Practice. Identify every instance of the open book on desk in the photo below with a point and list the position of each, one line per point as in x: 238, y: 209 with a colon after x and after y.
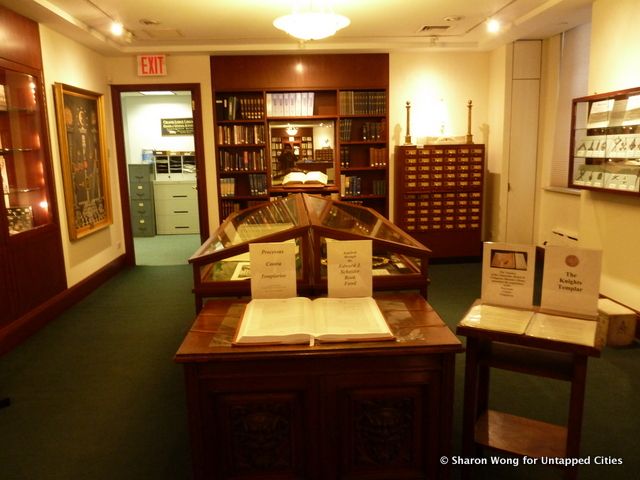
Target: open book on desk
x: 309, y: 179
x: 531, y: 323
x: 302, y: 320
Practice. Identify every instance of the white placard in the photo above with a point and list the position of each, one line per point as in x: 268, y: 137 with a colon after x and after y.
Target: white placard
x: 508, y: 274
x: 349, y: 268
x: 571, y: 280
x: 273, y: 270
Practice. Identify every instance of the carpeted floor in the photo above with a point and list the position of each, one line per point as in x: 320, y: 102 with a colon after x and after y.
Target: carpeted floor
x: 96, y: 395
x: 165, y: 249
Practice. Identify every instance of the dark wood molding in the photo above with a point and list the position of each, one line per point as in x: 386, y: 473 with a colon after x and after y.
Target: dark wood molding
x: 308, y: 71
x: 18, y: 331
x: 121, y: 157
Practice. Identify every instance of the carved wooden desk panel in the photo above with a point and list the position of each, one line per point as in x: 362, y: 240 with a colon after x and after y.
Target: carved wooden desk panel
x: 374, y: 410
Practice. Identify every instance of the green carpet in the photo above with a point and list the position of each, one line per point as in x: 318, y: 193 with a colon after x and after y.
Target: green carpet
x: 96, y: 395
x: 165, y: 249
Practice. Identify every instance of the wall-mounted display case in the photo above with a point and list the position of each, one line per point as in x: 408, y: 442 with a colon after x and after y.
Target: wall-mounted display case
x: 605, y: 142
x: 32, y: 267
x: 221, y: 266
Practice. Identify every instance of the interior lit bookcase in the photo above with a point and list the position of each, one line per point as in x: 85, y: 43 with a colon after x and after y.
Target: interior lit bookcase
x: 31, y: 260
x: 605, y: 142
x: 346, y: 95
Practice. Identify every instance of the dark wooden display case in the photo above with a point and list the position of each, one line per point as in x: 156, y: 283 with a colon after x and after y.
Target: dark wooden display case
x: 399, y: 261
x: 28, y: 211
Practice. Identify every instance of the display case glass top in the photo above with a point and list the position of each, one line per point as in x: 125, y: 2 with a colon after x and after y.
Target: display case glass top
x: 222, y: 264
x: 605, y: 142
x: 26, y: 196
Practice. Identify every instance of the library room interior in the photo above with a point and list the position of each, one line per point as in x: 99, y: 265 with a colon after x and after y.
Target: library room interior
x: 319, y: 239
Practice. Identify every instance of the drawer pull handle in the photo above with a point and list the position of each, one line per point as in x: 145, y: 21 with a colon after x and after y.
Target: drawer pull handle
x: 181, y: 211
x: 179, y: 196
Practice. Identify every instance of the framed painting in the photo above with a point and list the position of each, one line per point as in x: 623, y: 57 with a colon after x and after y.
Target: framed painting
x: 83, y: 155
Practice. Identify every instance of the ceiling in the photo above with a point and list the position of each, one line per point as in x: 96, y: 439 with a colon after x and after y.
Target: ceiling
x: 245, y: 26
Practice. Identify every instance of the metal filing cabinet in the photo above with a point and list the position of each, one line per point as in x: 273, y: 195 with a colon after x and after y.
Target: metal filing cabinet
x: 143, y: 219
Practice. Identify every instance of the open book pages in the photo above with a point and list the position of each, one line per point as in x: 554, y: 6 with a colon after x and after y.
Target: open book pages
x: 302, y: 320
x: 308, y: 179
x: 501, y: 319
x: 563, y: 329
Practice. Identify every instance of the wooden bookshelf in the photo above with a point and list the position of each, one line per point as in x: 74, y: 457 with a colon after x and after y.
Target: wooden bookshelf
x: 349, y: 92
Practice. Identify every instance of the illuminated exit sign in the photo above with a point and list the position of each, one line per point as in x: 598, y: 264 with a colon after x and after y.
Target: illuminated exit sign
x: 152, y: 65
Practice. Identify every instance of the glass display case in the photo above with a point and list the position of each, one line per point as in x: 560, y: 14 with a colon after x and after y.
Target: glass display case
x: 605, y: 142
x: 26, y: 196
x: 221, y: 266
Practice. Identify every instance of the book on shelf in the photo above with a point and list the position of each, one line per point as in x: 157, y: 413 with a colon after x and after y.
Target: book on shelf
x: 300, y: 320
x: 309, y: 179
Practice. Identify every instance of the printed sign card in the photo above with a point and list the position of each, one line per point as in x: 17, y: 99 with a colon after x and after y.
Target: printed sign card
x: 349, y: 268
x: 273, y: 270
x: 571, y: 280
x: 508, y: 274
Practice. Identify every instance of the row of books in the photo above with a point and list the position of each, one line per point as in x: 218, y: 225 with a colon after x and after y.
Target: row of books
x: 345, y: 129
x: 258, y: 184
x: 239, y: 161
x: 290, y: 104
x: 240, y: 108
x: 350, y: 186
x: 362, y: 103
x: 227, y: 207
x: 372, y: 130
x: 378, y: 156
x: 241, y: 134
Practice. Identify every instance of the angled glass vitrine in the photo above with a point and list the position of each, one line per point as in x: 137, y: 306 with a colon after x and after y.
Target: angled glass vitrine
x: 222, y: 267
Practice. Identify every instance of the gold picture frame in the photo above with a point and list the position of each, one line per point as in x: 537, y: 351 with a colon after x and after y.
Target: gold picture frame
x: 83, y: 155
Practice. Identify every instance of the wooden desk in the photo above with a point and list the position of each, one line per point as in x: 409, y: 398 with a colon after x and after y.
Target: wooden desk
x: 359, y: 410
x: 482, y: 427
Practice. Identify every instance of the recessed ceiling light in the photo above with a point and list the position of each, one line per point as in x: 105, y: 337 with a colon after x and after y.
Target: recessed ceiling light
x: 117, y: 29
x: 493, y: 25
x: 158, y: 92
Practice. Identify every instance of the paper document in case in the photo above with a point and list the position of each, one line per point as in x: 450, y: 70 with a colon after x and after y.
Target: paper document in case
x: 501, y: 319
x: 299, y: 319
x: 563, y: 329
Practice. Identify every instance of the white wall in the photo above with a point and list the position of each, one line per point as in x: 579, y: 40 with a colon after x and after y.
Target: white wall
x: 607, y: 221
x: 142, y: 127
x: 66, y: 61
x: 438, y: 85
x: 180, y: 69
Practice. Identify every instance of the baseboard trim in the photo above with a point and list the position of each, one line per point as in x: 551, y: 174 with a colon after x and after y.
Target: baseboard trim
x: 22, y: 328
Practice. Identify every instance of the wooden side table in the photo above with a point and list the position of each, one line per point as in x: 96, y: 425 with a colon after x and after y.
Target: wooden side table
x: 483, y: 427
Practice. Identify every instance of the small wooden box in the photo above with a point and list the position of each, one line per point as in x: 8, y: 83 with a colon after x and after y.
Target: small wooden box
x: 620, y: 320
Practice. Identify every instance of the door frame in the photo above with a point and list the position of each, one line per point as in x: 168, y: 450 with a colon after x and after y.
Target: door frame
x: 121, y: 157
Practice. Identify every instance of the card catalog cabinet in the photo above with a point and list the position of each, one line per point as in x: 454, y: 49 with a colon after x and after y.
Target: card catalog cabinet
x: 439, y: 197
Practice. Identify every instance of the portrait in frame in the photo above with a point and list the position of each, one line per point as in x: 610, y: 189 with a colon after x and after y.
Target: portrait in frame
x: 83, y: 155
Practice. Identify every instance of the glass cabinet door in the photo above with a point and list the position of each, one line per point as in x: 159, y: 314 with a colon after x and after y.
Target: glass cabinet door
x: 25, y: 192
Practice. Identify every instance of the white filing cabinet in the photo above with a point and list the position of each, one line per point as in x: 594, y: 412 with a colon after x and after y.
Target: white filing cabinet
x: 176, y: 207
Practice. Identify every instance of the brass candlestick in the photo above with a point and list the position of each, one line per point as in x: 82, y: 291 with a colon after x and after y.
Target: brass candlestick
x: 469, y: 136
x: 407, y: 137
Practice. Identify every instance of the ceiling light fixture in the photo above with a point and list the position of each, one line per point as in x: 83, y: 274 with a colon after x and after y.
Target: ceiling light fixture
x: 116, y: 28
x: 493, y: 25
x: 311, y: 20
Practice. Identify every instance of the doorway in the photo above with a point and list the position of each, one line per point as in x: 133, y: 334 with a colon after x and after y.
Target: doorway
x: 158, y: 138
